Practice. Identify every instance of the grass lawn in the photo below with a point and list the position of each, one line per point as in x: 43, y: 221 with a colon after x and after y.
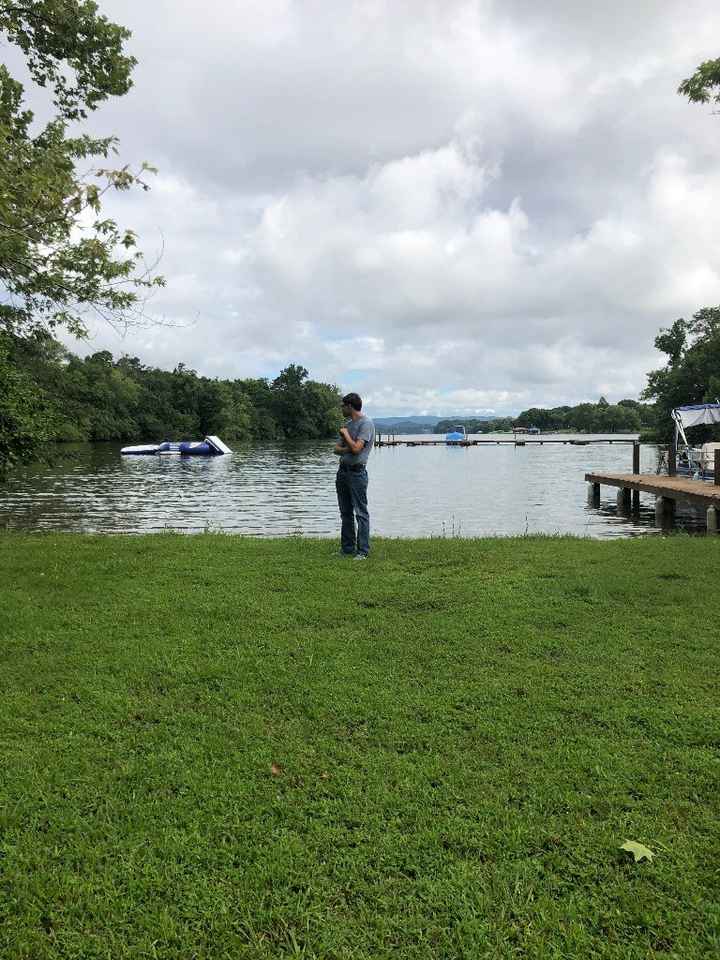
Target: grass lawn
x: 218, y: 747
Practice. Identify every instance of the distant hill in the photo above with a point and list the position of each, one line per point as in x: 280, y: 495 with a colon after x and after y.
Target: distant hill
x: 390, y: 421
x: 405, y: 424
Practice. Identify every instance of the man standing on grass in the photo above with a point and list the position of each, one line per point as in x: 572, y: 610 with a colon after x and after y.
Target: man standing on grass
x: 357, y: 437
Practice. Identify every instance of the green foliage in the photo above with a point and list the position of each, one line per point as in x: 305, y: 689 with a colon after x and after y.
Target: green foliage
x: 55, y: 395
x: 704, y: 85
x: 59, y: 257
x: 627, y: 416
x: 55, y: 34
x: 692, y: 371
x: 497, y: 425
x: 304, y: 407
x: 202, y: 757
x: 24, y: 416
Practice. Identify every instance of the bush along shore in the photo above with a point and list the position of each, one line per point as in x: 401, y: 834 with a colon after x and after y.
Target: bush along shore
x: 219, y: 747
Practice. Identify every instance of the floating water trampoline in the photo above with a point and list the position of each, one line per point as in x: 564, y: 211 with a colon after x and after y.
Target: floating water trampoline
x: 209, y: 447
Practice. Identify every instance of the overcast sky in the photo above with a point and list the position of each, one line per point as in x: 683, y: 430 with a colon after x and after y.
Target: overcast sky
x: 450, y: 207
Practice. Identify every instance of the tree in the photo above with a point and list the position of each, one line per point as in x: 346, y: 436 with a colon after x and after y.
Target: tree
x: 542, y: 418
x: 59, y: 258
x: 258, y: 395
x: 59, y: 396
x: 25, y: 420
x: 289, y: 407
x: 692, y: 371
x: 600, y: 417
x: 323, y: 401
x: 304, y: 408
x: 614, y: 418
x: 704, y: 85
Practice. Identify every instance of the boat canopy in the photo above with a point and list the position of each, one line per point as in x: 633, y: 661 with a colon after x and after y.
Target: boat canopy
x: 694, y: 415
x: 697, y: 413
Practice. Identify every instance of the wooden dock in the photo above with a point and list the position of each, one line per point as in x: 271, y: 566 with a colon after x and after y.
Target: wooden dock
x: 667, y: 490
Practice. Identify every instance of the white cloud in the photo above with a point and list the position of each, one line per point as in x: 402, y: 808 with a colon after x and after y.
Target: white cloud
x: 461, y: 203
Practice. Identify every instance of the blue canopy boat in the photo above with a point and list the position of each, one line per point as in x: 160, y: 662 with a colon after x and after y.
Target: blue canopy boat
x: 456, y: 435
x: 209, y: 447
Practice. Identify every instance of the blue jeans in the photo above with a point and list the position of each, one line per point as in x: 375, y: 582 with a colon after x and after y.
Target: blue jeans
x: 351, y: 486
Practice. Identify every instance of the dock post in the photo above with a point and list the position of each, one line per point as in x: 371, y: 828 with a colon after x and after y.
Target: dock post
x: 717, y: 468
x: 594, y: 494
x: 712, y: 520
x: 636, y: 471
x: 664, y: 512
x: 623, y: 500
x: 672, y: 459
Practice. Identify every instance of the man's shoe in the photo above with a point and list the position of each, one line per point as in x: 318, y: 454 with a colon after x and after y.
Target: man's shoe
x: 360, y: 556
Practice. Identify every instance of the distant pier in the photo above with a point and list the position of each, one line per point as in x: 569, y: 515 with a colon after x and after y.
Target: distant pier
x: 390, y: 440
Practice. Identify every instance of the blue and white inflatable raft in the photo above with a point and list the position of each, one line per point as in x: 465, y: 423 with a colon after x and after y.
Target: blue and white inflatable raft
x: 209, y: 447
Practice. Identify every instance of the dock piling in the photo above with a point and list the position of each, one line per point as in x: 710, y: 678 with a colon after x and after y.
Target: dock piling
x: 664, y: 512
x: 594, y: 494
x: 712, y: 520
x: 717, y: 468
x: 623, y: 500
x: 636, y: 472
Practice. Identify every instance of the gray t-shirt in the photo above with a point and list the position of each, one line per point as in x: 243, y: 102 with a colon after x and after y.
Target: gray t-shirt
x: 361, y: 429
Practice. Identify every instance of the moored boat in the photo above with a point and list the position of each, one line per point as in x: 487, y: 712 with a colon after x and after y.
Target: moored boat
x: 456, y: 435
x: 697, y: 462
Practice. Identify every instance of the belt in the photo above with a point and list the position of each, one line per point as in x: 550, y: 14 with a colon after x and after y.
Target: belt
x: 355, y: 467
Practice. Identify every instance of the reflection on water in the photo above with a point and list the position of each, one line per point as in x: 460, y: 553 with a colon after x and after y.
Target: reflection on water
x: 277, y: 490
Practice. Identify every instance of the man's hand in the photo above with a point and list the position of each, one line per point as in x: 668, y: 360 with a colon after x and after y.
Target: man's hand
x: 340, y: 449
x: 354, y: 446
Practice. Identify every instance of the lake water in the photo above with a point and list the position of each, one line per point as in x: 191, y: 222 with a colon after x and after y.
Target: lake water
x: 276, y: 490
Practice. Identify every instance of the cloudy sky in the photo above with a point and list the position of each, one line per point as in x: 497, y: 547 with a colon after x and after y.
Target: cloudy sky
x: 450, y: 207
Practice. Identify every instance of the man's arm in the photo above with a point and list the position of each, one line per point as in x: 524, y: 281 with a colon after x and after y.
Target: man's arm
x: 353, y: 446
x: 340, y: 449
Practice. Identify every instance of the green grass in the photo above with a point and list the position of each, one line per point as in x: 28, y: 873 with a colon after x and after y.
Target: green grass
x: 464, y: 732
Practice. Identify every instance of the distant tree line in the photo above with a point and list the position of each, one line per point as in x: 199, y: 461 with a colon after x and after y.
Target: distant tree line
x: 627, y: 416
x: 52, y: 395
x: 496, y: 425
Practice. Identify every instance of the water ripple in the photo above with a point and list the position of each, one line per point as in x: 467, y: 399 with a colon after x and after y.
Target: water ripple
x: 277, y: 490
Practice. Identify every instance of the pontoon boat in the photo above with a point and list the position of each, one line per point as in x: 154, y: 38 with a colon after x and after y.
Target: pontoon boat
x: 696, y: 462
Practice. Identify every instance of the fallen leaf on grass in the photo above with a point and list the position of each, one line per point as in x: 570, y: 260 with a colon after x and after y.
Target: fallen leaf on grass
x: 324, y: 775
x: 638, y: 850
x: 276, y: 770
